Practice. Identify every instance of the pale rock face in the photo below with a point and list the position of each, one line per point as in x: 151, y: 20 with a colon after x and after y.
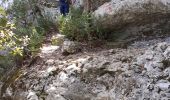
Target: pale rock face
x: 119, y: 6
x: 94, y: 3
x: 134, y: 17
x: 110, y: 75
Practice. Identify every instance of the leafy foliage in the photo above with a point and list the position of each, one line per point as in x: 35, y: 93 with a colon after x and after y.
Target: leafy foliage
x: 35, y: 41
x: 8, y: 39
x: 30, y: 21
x: 22, y: 25
x: 79, y: 25
x: 10, y: 43
x: 29, y: 13
x: 76, y: 25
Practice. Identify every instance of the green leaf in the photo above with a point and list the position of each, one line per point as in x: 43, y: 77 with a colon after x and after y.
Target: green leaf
x: 2, y: 11
x: 3, y: 22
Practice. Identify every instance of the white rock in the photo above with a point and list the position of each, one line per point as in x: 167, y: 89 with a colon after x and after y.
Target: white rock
x: 49, y: 49
x: 161, y: 47
x: 72, y: 68
x: 32, y: 96
x: 114, y: 66
x: 141, y: 60
x: 164, y: 86
x: 55, y: 97
x: 69, y: 47
x: 63, y: 76
x: 50, y: 69
x: 103, y: 96
x: 118, y: 13
x: 50, y: 62
x: 167, y: 53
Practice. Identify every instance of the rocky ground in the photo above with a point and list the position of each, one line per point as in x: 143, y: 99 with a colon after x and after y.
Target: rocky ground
x: 140, y: 72
x: 73, y: 72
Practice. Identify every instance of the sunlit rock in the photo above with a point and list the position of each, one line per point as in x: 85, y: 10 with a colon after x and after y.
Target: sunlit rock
x: 49, y: 49
x: 70, y: 47
x: 134, y: 17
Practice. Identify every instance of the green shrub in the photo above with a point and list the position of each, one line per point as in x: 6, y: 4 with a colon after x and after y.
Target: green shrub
x: 31, y: 22
x: 76, y: 25
x: 81, y: 26
x: 35, y: 41
x: 10, y: 44
x: 25, y: 31
x: 13, y: 39
x: 45, y: 24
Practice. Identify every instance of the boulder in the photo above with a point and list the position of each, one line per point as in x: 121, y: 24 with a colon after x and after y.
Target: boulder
x: 134, y: 16
x: 94, y: 3
x: 70, y: 47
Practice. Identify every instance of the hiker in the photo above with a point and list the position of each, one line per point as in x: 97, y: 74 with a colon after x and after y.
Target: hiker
x: 64, y: 7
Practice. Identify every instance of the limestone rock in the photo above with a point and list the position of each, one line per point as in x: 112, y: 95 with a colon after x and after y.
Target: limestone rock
x: 167, y: 53
x: 112, y: 76
x: 129, y: 17
x: 32, y: 96
x: 164, y: 86
x: 70, y: 47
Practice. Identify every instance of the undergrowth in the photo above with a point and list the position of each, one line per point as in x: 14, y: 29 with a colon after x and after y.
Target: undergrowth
x: 79, y: 26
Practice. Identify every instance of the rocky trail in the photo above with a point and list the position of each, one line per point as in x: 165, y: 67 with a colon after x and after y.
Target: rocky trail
x: 140, y: 72
x: 75, y: 71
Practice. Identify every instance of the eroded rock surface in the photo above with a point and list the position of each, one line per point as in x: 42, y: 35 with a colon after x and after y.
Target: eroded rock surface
x: 115, y: 74
x: 140, y: 72
x: 134, y: 17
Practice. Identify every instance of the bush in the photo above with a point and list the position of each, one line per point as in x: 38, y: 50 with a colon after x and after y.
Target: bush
x: 10, y: 44
x: 76, y: 25
x: 31, y: 22
x: 45, y: 24
x: 14, y: 38
x: 35, y: 41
